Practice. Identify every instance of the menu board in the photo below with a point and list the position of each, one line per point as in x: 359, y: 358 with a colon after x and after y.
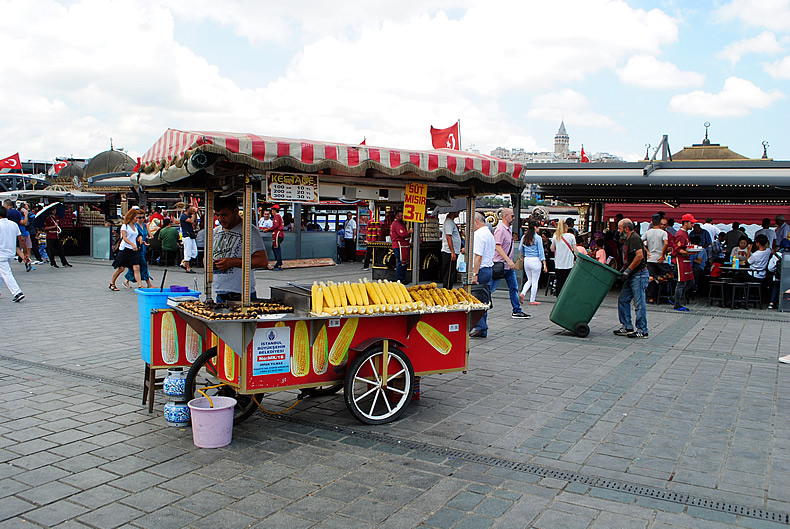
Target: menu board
x: 414, y: 205
x: 292, y: 187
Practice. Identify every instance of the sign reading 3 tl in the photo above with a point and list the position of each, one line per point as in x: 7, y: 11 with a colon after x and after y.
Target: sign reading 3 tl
x: 414, y: 204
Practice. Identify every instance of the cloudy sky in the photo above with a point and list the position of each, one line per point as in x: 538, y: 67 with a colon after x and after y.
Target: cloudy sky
x: 619, y: 73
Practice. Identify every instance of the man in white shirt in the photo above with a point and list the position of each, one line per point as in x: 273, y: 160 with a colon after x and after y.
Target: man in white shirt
x: 657, y: 242
x: 484, y: 248
x: 782, y: 230
x: 451, y: 247
x: 266, y: 223
x: 350, y: 237
x: 710, y: 228
x: 227, y: 251
x: 10, y: 236
x: 767, y: 231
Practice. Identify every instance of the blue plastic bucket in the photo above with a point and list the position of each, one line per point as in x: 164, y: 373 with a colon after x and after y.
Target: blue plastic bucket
x: 149, y: 299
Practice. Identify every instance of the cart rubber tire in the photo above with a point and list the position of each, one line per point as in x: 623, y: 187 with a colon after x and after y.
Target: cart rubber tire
x: 323, y: 391
x: 582, y: 330
x: 202, y: 374
x: 366, y: 398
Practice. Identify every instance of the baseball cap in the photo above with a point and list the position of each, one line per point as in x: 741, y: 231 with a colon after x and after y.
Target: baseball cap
x: 275, y: 207
x: 688, y: 217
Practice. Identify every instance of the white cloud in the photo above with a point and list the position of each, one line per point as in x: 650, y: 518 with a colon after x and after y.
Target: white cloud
x: 779, y: 69
x: 770, y: 14
x: 765, y: 42
x: 570, y: 106
x: 737, y: 98
x: 646, y: 71
x: 94, y: 69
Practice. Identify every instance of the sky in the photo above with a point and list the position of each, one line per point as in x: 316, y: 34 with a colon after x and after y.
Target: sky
x: 620, y: 74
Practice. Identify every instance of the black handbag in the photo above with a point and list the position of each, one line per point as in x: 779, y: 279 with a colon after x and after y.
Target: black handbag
x: 498, y: 270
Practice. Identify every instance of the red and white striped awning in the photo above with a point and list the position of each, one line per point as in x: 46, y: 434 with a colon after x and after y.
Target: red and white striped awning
x: 168, y: 160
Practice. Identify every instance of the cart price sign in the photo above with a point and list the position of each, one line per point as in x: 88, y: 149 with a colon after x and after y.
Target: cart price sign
x: 271, y: 349
x: 290, y: 187
x: 414, y: 205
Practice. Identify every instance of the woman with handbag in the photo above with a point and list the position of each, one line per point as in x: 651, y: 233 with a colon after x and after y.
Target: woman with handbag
x: 142, y: 243
x: 534, y: 259
x: 127, y: 256
x: 562, y: 244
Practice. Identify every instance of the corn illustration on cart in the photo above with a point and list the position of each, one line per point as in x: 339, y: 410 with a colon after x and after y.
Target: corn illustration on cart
x: 371, y: 339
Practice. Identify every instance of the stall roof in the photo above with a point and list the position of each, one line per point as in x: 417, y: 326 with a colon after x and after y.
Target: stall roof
x: 172, y: 159
x: 728, y: 181
x: 65, y: 196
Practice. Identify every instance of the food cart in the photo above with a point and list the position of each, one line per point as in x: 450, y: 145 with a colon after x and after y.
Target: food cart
x: 371, y: 338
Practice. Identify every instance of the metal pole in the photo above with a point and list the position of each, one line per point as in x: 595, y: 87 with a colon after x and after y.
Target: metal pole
x: 246, y: 260
x: 208, y: 243
x: 470, y: 238
x: 298, y: 229
x: 415, y: 258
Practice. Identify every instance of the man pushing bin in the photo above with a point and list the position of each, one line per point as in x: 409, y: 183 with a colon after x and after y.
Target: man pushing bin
x: 635, y: 281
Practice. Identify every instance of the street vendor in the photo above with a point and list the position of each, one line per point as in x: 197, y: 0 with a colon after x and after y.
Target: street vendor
x: 400, y: 244
x: 227, y: 247
x: 682, y: 258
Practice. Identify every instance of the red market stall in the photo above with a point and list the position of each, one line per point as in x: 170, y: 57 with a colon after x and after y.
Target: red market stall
x: 372, y: 338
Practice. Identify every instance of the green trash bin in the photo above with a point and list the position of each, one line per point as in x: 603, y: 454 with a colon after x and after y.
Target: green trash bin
x: 582, y: 294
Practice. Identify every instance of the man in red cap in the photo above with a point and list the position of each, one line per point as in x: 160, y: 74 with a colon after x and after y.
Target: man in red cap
x: 682, y: 260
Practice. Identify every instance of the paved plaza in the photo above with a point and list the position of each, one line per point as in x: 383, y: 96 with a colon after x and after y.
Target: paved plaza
x: 687, y: 429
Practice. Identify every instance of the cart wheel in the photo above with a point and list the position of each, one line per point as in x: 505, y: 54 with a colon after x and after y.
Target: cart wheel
x: 203, y: 374
x: 323, y: 391
x: 366, y: 396
x: 582, y: 330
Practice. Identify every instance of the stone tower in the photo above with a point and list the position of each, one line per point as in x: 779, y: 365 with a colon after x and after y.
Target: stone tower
x: 561, y: 143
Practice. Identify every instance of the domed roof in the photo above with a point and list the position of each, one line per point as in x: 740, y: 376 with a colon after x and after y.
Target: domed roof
x: 111, y: 161
x: 70, y: 171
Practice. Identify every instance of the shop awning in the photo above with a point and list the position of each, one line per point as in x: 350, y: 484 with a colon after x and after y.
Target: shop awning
x: 177, y: 155
x: 680, y: 182
x: 64, y: 196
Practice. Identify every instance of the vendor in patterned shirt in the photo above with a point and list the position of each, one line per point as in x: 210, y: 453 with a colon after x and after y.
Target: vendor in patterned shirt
x: 228, y: 237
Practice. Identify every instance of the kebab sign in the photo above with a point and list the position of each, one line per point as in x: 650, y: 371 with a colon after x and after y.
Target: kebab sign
x: 414, y: 204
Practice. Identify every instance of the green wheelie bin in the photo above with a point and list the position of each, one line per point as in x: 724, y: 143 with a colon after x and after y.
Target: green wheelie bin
x: 582, y: 294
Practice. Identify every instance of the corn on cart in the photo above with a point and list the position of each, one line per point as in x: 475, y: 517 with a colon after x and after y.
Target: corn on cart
x: 370, y: 338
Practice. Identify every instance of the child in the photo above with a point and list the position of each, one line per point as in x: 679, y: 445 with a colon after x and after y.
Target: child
x: 741, y: 251
x: 600, y: 253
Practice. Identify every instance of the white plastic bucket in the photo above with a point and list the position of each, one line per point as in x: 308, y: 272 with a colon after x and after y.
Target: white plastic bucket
x: 212, y: 427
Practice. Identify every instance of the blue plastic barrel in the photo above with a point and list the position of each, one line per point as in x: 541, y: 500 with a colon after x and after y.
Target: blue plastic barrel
x: 149, y: 299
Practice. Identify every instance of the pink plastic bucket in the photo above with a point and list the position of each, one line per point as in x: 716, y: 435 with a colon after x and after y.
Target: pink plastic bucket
x: 212, y: 427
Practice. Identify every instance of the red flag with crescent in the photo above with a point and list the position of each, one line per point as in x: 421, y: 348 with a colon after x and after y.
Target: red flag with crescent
x: 584, y: 158
x: 12, y: 162
x: 59, y: 165
x: 446, y: 138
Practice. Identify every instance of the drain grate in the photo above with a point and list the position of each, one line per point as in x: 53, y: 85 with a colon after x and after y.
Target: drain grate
x: 72, y: 372
x: 548, y: 472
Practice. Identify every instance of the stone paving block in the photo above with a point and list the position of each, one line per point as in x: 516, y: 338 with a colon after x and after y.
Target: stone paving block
x: 281, y: 520
x: 11, y: 507
x: 34, y: 461
x: 342, y: 490
x: 138, y: 481
x: 369, y: 510
x: 660, y: 505
x: 48, y: 492
x: 290, y: 488
x: 552, y: 519
x: 444, y: 518
x: 493, y: 507
x: 110, y: 516
x: 337, y: 521
x: 56, y: 513
x: 168, y: 518
x: 151, y: 499
x: 260, y: 505
x: 89, y: 478
x: 314, y: 508
x: 204, y: 502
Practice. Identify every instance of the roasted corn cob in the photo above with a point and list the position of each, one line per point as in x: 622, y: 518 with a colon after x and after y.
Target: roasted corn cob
x: 300, y: 351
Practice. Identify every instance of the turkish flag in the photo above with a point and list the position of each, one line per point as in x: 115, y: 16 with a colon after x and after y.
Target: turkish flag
x: 58, y: 166
x: 584, y: 158
x: 12, y: 162
x: 446, y: 138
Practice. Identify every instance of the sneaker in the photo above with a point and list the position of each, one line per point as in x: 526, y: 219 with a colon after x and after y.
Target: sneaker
x: 785, y: 359
x: 682, y: 309
x: 365, y: 268
x: 638, y: 334
x: 622, y: 331
x: 28, y: 267
x: 521, y: 315
x: 534, y: 302
x: 477, y: 333
x: 19, y: 297
x: 37, y: 262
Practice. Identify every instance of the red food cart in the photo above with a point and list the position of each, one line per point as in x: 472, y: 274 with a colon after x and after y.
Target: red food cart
x: 373, y: 348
